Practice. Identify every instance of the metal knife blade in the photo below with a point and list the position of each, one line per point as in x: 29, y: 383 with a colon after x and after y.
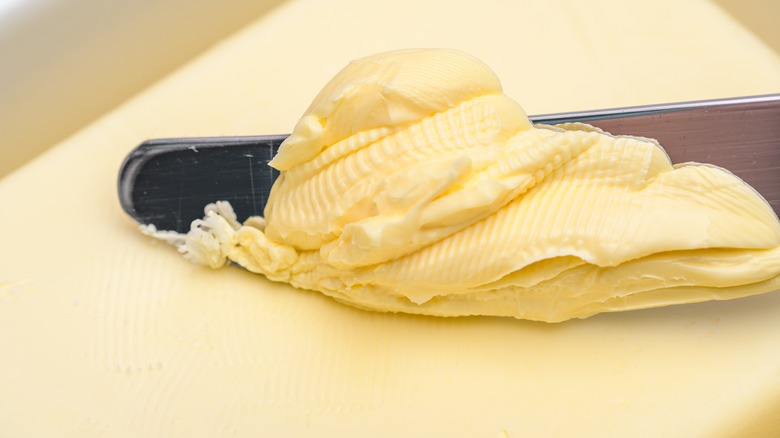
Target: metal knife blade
x: 168, y: 182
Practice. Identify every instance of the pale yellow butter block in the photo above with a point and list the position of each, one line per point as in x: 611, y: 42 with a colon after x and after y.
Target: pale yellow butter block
x: 108, y: 333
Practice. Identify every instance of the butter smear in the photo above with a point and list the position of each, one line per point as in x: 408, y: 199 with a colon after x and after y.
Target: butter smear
x: 413, y: 184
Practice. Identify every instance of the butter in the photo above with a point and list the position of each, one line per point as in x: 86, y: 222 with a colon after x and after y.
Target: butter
x: 108, y: 334
x: 413, y: 184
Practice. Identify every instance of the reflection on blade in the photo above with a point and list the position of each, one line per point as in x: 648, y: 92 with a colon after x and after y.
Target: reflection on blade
x: 167, y: 182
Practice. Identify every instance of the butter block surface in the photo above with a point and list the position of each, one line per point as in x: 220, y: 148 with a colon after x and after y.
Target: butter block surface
x: 106, y: 332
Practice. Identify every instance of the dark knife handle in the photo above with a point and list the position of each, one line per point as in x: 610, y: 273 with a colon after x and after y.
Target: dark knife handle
x: 167, y: 182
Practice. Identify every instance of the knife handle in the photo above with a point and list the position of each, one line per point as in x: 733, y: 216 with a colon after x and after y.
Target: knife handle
x: 167, y: 182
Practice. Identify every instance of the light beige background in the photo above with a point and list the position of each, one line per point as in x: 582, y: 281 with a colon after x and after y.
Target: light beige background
x: 65, y: 62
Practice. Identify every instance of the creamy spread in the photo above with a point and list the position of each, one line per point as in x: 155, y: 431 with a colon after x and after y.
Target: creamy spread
x: 413, y: 184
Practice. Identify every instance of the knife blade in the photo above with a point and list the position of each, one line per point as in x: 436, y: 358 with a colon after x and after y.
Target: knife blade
x: 167, y: 182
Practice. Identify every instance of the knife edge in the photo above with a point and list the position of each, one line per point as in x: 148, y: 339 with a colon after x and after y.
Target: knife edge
x: 167, y: 182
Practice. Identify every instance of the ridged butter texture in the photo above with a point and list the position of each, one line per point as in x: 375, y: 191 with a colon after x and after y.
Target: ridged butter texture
x: 413, y: 184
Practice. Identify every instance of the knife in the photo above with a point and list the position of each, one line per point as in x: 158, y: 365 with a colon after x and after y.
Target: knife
x: 167, y: 182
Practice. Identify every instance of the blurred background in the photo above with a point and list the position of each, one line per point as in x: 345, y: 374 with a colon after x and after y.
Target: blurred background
x: 66, y: 62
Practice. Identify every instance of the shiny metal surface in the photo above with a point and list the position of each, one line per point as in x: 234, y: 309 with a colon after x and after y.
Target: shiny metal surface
x: 740, y: 134
x: 167, y: 182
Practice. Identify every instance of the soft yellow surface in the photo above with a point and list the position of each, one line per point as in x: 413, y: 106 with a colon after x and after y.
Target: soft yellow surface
x: 413, y: 184
x: 106, y: 333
